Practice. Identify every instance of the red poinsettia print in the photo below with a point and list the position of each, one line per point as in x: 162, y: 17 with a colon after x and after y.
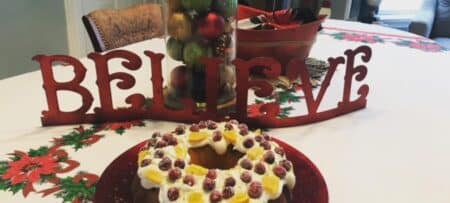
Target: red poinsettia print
x: 254, y: 110
x: 29, y: 169
x: 425, y: 46
x: 360, y: 38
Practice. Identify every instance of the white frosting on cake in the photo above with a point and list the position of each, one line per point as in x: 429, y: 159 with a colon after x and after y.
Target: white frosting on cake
x: 152, y: 176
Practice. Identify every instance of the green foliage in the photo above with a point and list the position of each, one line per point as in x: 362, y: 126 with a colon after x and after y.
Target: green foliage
x: 5, y: 185
x: 282, y: 96
x: 120, y: 131
x: 285, y: 112
x: 16, y: 188
x: 3, y: 167
x: 72, y: 190
x: 288, y: 96
x: 76, y: 139
x: 42, y: 151
x: 45, y: 178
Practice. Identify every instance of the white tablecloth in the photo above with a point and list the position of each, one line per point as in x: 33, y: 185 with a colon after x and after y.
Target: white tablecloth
x: 395, y: 150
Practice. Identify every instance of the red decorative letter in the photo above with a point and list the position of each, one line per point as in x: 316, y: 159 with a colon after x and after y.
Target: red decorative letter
x: 54, y: 115
x: 104, y: 79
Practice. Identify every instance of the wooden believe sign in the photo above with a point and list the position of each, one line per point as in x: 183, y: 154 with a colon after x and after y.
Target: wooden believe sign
x: 158, y: 111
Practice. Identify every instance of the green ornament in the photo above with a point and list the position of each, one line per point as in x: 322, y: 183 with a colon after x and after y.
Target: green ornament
x: 175, y: 48
x: 226, y: 8
x: 200, y: 6
x: 193, y: 53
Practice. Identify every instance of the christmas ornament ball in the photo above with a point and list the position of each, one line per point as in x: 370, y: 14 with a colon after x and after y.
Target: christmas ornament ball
x: 193, y: 52
x: 199, y: 6
x: 212, y: 26
x: 175, y: 48
x: 179, y: 26
x: 180, y: 78
x: 226, y: 8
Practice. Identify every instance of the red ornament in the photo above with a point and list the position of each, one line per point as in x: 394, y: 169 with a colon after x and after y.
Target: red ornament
x: 179, y: 78
x: 212, y: 26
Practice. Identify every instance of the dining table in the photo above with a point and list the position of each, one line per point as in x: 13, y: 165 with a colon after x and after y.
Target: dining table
x: 395, y: 150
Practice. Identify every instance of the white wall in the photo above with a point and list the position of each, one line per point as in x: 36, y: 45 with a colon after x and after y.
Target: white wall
x: 30, y: 27
x: 27, y: 28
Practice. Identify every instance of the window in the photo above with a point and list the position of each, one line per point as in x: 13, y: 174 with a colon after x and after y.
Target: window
x: 398, y: 14
x: 396, y: 6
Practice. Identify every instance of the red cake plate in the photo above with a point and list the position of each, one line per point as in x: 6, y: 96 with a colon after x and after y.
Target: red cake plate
x: 115, y: 182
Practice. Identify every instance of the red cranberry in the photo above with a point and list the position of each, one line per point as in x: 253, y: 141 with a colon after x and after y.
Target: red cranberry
x: 248, y: 143
x: 180, y: 129
x: 165, y: 164
x: 269, y: 157
x: 260, y: 168
x: 279, y: 151
x: 243, y: 127
x: 246, y: 164
x: 286, y: 165
x: 166, y: 137
x: 180, y: 164
x: 227, y: 192
x: 189, y: 180
x: 161, y: 144
x: 146, y: 162
x: 173, y: 194
x: 230, y: 182
x: 159, y: 154
x: 258, y: 138
x: 266, y: 145
x: 255, y: 190
x: 215, y: 196
x: 170, y: 139
x: 209, y: 184
x: 267, y: 137
x: 174, y: 174
x: 202, y: 124
x: 217, y: 136
x: 243, y: 132
x: 246, y: 177
x: 194, y: 128
x: 279, y: 171
x: 173, y: 141
x: 229, y: 126
x: 212, y: 125
x: 212, y: 174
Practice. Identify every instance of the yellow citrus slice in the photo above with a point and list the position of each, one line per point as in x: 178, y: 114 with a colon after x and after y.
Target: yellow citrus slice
x: 197, y: 170
x: 155, y: 177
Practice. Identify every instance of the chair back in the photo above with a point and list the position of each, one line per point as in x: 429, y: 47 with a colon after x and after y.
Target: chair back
x: 441, y: 27
x: 113, y: 28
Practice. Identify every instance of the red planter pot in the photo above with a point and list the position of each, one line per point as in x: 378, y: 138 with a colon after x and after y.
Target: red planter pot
x: 288, y: 41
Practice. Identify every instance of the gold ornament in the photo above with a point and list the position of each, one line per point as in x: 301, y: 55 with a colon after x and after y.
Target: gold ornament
x: 180, y: 26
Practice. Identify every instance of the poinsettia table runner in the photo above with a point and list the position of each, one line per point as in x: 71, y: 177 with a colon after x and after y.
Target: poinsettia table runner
x: 396, y: 150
